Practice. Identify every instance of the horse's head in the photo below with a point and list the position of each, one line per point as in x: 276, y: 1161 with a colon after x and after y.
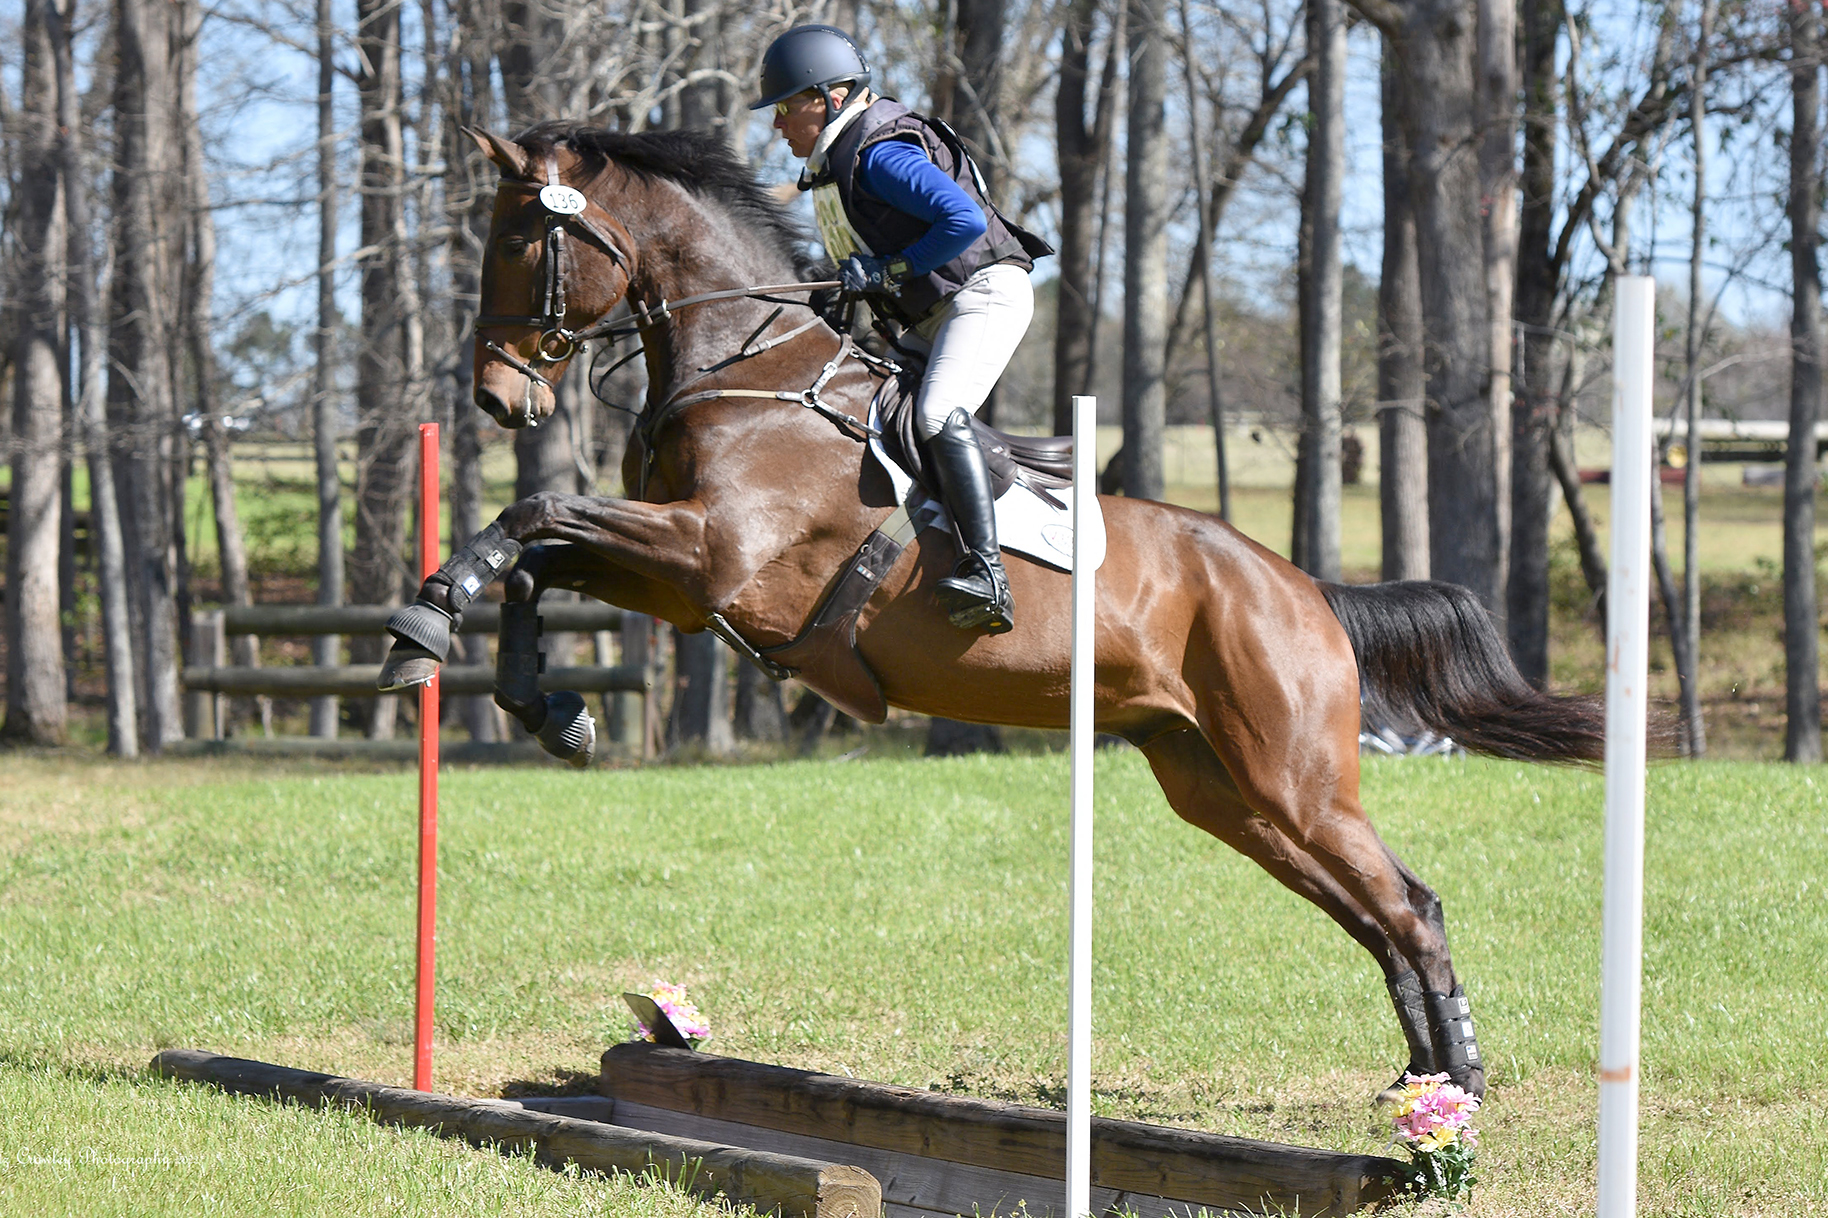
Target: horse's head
x: 555, y: 263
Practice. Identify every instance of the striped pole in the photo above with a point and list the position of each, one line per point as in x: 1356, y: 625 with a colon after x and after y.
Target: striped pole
x: 1627, y: 673
x: 429, y: 562
x: 1087, y: 554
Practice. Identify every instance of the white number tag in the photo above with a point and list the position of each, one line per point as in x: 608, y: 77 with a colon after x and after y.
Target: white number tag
x: 563, y: 200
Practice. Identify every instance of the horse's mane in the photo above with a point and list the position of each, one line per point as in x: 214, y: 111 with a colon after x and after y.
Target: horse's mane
x: 700, y: 161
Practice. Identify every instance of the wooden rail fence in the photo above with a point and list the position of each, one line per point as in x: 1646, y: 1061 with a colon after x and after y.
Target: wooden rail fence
x: 209, y: 679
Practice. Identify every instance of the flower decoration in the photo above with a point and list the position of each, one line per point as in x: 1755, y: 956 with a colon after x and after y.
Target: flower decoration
x: 1434, y: 1123
x: 680, y: 1011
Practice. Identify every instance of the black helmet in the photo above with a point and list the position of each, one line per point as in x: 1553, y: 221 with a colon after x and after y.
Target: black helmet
x: 809, y: 57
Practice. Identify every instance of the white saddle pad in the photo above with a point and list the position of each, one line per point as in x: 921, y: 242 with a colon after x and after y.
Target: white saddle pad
x: 1026, y: 523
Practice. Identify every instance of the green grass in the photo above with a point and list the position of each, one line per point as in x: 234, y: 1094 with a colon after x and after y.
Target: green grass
x: 897, y: 920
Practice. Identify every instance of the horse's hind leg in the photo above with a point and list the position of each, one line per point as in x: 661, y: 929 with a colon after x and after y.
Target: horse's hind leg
x: 1299, y: 771
x: 1201, y: 791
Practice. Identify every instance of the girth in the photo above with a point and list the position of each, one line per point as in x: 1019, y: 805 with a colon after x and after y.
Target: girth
x: 824, y: 654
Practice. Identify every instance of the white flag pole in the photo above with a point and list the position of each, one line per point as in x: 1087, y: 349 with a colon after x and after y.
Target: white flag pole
x: 1088, y: 551
x: 1627, y: 663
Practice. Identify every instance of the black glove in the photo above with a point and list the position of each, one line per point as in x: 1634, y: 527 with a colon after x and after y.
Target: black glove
x: 862, y: 273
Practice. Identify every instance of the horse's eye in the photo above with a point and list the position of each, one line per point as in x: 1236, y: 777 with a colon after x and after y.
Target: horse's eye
x: 513, y: 247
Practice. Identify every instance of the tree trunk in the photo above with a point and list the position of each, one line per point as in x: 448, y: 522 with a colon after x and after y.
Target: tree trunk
x: 386, y: 380
x: 1694, y: 727
x: 1082, y: 149
x: 1401, y: 427
x: 37, y: 709
x: 1802, y: 681
x: 139, y: 385
x: 1535, y: 405
x: 1436, y: 43
x: 326, y: 649
x: 1202, y: 265
x: 85, y: 309
x: 761, y: 714
x: 1316, y: 539
x: 1145, y: 274
x: 1497, y: 119
x: 978, y: 92
x: 198, y: 293
x: 701, y: 697
x: 467, y: 196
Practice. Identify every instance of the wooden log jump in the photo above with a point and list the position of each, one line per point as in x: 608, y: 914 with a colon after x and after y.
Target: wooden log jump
x: 941, y: 1154
x: 772, y: 1183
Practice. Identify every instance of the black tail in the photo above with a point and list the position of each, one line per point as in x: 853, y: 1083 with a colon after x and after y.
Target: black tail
x: 1430, y: 656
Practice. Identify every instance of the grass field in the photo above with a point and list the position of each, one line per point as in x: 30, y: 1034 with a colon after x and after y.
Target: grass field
x: 892, y: 919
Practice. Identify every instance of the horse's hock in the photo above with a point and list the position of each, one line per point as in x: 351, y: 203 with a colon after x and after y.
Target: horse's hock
x: 808, y: 1145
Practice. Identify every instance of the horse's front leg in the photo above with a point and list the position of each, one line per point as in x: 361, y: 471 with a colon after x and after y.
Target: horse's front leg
x: 636, y: 555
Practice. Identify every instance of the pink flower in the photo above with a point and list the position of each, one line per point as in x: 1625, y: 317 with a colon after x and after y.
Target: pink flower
x: 680, y: 1011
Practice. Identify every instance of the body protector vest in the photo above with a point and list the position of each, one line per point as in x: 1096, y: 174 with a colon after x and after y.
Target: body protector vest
x: 853, y: 221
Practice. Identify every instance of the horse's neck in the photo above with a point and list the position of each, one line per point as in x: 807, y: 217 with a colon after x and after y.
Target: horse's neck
x: 701, y: 336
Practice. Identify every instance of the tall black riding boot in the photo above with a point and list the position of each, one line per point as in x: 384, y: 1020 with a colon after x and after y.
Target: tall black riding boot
x: 976, y: 594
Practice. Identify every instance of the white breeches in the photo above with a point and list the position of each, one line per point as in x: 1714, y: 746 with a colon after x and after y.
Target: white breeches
x: 970, y: 341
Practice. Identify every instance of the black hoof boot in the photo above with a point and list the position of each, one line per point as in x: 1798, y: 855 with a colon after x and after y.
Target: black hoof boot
x: 422, y: 639
x: 1412, y: 1015
x: 976, y: 595
x: 1456, y: 1048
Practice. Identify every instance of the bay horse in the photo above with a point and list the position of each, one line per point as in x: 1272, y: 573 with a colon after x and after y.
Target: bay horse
x: 1239, y: 677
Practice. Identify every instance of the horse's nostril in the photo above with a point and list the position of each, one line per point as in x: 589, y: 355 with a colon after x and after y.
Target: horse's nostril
x: 491, y: 404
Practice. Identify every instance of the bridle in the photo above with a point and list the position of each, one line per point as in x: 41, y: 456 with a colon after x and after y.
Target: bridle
x: 565, y: 206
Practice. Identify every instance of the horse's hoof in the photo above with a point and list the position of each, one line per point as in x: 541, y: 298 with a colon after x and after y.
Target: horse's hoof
x: 569, y: 733
x: 408, y: 664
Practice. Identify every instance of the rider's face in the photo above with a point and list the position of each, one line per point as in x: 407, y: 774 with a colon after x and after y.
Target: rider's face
x: 800, y: 118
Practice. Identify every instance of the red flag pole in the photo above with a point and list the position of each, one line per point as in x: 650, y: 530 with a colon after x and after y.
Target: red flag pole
x: 429, y: 562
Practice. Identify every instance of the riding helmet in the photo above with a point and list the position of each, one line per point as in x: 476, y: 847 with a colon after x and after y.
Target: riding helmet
x: 809, y: 57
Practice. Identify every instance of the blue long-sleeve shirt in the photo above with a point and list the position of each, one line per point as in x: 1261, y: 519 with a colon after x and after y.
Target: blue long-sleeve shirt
x: 903, y: 176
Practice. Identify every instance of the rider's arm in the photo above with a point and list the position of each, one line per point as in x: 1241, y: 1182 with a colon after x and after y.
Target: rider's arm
x: 903, y: 176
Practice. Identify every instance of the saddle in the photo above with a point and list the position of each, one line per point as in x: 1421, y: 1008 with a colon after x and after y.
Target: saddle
x: 1042, y: 463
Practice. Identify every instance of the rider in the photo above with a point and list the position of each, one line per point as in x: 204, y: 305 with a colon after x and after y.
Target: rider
x: 902, y: 211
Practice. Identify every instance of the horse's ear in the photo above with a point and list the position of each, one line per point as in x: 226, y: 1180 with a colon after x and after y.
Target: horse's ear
x: 508, y: 156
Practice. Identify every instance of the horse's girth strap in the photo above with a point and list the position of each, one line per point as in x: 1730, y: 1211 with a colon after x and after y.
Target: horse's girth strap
x: 825, y: 655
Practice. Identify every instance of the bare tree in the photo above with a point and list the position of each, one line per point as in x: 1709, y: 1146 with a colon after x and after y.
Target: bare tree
x: 36, y: 709
x: 197, y: 293
x: 1436, y: 45
x: 1082, y: 149
x: 140, y: 382
x: 1317, y: 479
x: 1802, y: 681
x: 326, y: 649
x: 1145, y: 277
x: 469, y: 99
x: 1694, y: 728
x: 1402, y: 428
x: 86, y: 314
x: 1540, y: 419
x: 390, y: 363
